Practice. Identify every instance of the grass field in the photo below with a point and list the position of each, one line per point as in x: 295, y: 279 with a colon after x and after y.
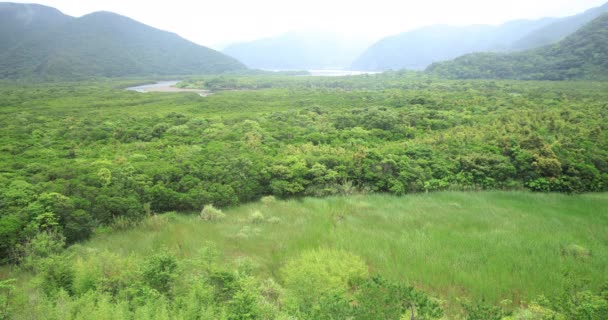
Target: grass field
x: 491, y: 245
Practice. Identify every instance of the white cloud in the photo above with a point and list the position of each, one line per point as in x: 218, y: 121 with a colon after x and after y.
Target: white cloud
x: 216, y: 23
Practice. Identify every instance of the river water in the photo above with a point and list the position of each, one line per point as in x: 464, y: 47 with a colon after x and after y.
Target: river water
x: 154, y: 86
x: 169, y: 85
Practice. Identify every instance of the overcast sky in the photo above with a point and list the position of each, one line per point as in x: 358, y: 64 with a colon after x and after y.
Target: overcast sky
x: 217, y: 23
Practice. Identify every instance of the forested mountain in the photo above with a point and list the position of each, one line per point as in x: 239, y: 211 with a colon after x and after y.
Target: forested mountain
x: 43, y: 43
x: 19, y: 21
x: 419, y: 48
x: 298, y: 50
x: 559, y: 29
x: 582, y: 55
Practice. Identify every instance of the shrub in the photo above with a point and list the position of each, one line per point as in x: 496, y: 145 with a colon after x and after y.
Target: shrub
x: 326, y: 272
x: 268, y: 200
x: 6, y: 288
x: 483, y: 311
x: 225, y: 284
x: 257, y: 217
x: 43, y: 245
x: 274, y: 220
x: 210, y: 213
x: 576, y: 251
x: 247, y: 232
x: 243, y: 306
x: 160, y: 271
x: 122, y: 223
x: 377, y: 298
x: 56, y: 273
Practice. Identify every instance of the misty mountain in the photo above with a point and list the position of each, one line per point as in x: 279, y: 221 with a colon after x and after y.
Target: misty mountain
x: 19, y: 21
x: 581, y: 55
x: 419, y: 48
x: 49, y: 45
x: 558, y: 30
x: 298, y: 51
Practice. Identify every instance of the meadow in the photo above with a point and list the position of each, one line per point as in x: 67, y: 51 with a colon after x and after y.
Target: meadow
x: 492, y: 245
x: 503, y: 248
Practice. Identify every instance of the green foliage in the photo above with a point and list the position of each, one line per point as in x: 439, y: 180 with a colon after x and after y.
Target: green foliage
x: 577, y: 302
x: 56, y: 274
x: 6, y: 290
x: 326, y: 272
x: 42, y: 246
x: 483, y: 311
x: 160, y: 272
x: 377, y: 298
x: 78, y: 157
x: 243, y: 306
x: 279, y: 275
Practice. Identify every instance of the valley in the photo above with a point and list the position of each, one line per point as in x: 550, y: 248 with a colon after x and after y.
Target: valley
x: 447, y: 172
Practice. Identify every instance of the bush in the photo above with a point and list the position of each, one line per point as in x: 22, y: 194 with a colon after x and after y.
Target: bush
x: 210, y: 213
x: 326, y: 272
x: 377, y: 298
x: 268, y: 200
x: 575, y: 251
x: 274, y: 220
x: 257, y: 217
x: 483, y: 311
x: 56, y: 273
x: 247, y: 232
x: 160, y: 271
x: 243, y: 306
x: 40, y: 247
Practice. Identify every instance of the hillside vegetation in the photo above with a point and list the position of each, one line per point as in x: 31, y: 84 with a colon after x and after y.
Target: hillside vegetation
x: 102, y: 44
x: 582, y: 55
x: 559, y: 29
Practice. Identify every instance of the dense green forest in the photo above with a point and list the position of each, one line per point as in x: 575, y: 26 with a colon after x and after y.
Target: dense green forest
x: 81, y: 158
x: 40, y: 42
x: 88, y: 154
x: 582, y: 55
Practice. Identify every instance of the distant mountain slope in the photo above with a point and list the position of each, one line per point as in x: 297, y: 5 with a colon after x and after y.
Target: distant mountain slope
x: 19, y: 21
x: 106, y: 44
x: 298, y: 51
x: 582, y: 55
x: 419, y: 48
x: 558, y: 30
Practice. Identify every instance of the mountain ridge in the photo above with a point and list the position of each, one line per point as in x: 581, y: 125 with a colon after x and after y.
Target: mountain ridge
x: 106, y: 44
x: 581, y: 55
x: 297, y: 50
x: 414, y: 50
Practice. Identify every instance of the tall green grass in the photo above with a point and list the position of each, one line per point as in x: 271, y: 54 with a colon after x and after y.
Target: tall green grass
x: 490, y: 245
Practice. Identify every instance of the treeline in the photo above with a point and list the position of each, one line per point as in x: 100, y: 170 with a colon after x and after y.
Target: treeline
x: 74, y: 158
